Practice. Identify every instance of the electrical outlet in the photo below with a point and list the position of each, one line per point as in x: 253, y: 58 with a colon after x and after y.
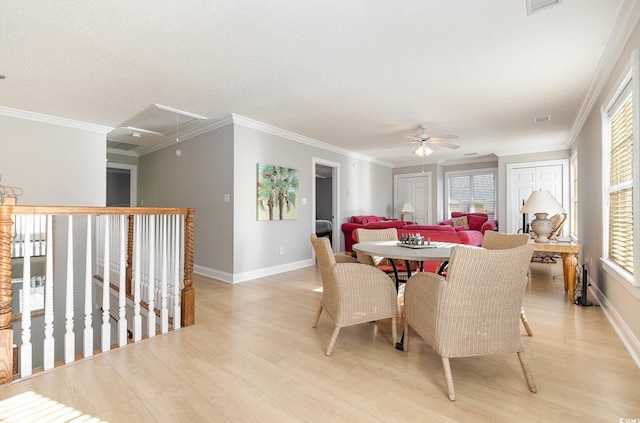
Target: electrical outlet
x: 281, y: 250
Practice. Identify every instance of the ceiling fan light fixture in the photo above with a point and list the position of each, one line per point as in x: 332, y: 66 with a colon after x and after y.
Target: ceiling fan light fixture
x: 422, y: 151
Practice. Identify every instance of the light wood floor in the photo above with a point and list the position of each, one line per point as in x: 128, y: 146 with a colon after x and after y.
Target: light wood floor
x: 253, y: 357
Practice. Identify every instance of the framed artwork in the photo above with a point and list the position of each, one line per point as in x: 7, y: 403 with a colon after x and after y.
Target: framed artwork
x: 277, y: 192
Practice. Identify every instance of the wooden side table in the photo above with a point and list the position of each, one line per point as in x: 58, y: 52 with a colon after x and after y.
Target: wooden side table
x: 568, y: 250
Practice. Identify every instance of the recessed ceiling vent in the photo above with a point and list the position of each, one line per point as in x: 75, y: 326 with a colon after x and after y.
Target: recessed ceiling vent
x: 540, y: 119
x: 534, y: 6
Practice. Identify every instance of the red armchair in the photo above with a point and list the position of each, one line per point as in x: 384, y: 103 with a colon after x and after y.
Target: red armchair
x: 474, y: 221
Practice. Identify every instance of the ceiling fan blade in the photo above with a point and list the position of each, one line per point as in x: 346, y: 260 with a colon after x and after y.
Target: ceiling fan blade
x: 412, y: 137
x: 444, y: 137
x: 443, y: 144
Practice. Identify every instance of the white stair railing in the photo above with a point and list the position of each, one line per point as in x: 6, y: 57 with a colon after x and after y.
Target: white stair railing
x: 115, y: 294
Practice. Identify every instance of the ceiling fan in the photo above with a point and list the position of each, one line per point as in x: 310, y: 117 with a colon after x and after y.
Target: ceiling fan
x: 427, y: 140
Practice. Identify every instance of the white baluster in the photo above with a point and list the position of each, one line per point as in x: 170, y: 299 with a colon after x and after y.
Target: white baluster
x: 106, y: 326
x: 176, y: 273
x: 49, y: 340
x: 122, y: 315
x: 164, y: 315
x: 151, y: 318
x: 69, y: 336
x: 88, y: 298
x: 137, y: 319
x: 26, y: 350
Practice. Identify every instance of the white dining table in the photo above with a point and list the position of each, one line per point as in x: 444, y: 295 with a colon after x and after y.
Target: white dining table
x: 394, y: 250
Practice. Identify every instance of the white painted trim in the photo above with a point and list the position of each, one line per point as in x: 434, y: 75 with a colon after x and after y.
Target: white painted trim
x: 254, y: 274
x: 123, y: 152
x: 629, y: 80
x: 431, y: 214
x: 468, y: 172
x: 269, y: 129
x: 133, y: 180
x: 565, y: 181
x: 624, y: 332
x: 38, y: 117
x: 335, y: 200
x: 621, y: 31
x: 213, y: 273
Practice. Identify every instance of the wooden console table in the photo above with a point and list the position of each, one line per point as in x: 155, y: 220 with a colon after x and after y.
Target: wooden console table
x: 568, y: 250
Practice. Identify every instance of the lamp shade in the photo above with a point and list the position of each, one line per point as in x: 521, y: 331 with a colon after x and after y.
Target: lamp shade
x: 406, y: 208
x: 541, y: 202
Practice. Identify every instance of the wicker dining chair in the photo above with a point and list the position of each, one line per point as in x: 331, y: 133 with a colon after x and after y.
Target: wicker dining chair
x: 382, y: 263
x: 353, y: 293
x: 500, y: 241
x: 475, y: 310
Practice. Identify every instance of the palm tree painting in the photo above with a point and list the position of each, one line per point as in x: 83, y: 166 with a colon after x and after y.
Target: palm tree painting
x: 277, y: 192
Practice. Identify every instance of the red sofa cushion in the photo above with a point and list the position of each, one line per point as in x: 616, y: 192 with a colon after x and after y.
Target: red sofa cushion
x: 367, y: 219
x: 476, y: 222
x: 437, y: 228
x: 384, y: 224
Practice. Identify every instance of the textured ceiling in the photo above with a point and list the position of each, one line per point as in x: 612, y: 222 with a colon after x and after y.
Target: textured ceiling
x: 359, y: 74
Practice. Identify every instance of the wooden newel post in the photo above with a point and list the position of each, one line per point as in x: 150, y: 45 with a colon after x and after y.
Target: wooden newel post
x: 188, y: 297
x: 129, y: 274
x: 6, y: 330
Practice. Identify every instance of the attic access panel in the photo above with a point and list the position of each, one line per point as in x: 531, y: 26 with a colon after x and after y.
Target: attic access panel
x: 152, y: 126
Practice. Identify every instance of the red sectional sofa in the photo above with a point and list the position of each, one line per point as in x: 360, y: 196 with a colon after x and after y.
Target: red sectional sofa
x: 368, y: 222
x: 475, y: 221
x: 440, y: 233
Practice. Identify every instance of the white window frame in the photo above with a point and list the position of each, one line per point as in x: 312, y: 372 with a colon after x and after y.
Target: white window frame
x: 630, y: 78
x: 470, y: 172
x: 574, y: 198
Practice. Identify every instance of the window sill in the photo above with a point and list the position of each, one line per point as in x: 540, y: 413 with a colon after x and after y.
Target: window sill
x: 621, y: 276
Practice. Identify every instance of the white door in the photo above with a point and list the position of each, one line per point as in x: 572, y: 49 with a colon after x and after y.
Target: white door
x: 526, y: 178
x: 414, y: 189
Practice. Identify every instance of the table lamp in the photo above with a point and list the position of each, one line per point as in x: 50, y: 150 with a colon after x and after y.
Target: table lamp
x: 406, y: 209
x: 541, y: 203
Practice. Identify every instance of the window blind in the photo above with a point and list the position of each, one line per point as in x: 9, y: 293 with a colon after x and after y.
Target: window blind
x: 621, y: 187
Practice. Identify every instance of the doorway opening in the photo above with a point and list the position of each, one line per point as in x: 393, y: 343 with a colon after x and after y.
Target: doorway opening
x: 122, y: 182
x: 325, y: 207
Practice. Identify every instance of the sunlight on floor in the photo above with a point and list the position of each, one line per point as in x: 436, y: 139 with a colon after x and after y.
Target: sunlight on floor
x: 31, y: 407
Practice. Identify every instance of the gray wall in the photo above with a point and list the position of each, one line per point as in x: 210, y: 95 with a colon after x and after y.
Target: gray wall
x: 199, y: 179
x: 619, y: 299
x: 230, y: 243
x: 55, y: 165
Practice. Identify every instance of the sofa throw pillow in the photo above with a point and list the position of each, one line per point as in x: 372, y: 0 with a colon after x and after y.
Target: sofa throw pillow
x: 460, y: 222
x: 476, y: 222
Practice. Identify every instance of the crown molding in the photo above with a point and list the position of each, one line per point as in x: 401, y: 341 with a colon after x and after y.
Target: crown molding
x: 206, y: 126
x: 263, y: 127
x: 38, y: 117
x: 622, y: 29
x: 122, y: 152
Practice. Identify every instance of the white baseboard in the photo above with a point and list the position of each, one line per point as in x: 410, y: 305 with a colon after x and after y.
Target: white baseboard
x: 254, y: 274
x: 626, y: 335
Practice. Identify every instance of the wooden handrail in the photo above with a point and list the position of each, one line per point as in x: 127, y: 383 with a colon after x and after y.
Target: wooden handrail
x: 96, y: 211
x: 187, y: 300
